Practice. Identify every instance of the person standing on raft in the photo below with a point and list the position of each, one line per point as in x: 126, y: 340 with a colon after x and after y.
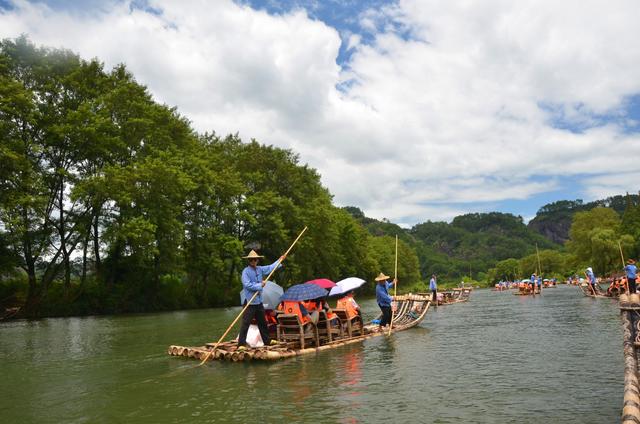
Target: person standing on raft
x: 591, y: 277
x: 631, y: 272
x: 383, y: 297
x: 253, y: 281
x: 433, y: 286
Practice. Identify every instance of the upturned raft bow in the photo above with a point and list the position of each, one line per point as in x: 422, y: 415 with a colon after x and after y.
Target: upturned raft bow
x: 252, y: 298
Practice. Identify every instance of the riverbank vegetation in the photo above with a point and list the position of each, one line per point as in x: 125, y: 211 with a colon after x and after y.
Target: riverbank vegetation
x: 110, y: 202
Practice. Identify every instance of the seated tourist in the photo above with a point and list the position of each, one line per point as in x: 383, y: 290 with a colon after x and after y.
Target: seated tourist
x: 297, y: 308
x: 349, y: 304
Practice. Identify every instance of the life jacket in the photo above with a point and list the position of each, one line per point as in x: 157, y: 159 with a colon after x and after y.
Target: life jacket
x: 293, y: 307
x: 347, y: 304
x: 310, y: 305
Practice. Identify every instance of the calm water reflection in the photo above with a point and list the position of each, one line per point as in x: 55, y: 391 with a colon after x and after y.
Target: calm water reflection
x: 499, y: 358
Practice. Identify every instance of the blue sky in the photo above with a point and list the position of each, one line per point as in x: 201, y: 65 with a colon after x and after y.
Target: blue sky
x: 411, y: 111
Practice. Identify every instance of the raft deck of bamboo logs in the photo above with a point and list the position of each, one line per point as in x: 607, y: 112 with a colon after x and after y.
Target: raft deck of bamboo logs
x: 411, y: 310
x: 630, y: 315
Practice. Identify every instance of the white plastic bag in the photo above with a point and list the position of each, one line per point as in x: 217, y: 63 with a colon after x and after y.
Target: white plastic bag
x: 253, y: 336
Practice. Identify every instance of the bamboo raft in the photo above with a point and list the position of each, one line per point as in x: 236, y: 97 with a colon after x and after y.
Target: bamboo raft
x: 630, y: 314
x: 411, y: 310
x: 456, y: 295
x: 601, y: 294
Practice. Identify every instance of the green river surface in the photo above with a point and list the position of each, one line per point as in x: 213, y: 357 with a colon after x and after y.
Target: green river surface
x: 498, y: 358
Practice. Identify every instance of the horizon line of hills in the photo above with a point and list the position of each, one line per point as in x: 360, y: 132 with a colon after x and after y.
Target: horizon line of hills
x: 472, y: 243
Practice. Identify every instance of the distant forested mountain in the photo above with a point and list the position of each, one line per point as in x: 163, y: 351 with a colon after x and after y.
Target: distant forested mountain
x: 554, y: 219
x: 467, y: 246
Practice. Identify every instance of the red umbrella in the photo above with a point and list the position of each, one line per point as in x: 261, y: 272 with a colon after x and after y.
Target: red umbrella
x: 323, y: 282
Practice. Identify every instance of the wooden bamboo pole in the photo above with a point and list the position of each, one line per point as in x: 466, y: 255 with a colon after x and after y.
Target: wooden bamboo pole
x: 395, y: 285
x: 626, y: 285
x: 282, y: 258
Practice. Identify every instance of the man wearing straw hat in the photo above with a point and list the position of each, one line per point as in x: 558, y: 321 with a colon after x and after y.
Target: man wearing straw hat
x: 631, y: 272
x: 253, y: 281
x: 383, y: 297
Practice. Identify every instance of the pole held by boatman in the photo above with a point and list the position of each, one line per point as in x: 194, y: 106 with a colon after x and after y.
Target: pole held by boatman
x: 253, y: 281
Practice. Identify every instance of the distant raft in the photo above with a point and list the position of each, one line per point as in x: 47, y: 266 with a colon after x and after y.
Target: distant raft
x: 411, y: 310
x: 630, y: 314
x: 456, y: 295
x: 599, y: 294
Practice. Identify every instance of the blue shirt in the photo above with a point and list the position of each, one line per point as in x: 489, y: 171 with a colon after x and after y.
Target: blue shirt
x: 252, y: 280
x: 382, y: 295
x: 432, y: 284
x: 533, y: 279
x: 591, y: 276
x: 631, y: 271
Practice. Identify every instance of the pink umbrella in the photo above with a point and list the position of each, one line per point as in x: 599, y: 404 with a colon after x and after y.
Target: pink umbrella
x: 323, y: 282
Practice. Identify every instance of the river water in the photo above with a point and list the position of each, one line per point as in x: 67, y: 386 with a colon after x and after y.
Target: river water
x: 498, y: 358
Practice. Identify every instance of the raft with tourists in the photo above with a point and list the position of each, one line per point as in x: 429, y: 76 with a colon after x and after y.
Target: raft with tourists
x: 296, y: 339
x: 455, y: 295
x: 597, y: 292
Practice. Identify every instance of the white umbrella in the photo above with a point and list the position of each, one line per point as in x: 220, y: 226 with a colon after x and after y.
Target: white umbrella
x: 270, y: 295
x: 346, y: 285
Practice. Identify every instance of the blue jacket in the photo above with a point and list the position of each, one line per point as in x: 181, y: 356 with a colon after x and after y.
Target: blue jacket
x: 432, y: 284
x: 382, y: 294
x: 252, y: 280
x: 631, y: 271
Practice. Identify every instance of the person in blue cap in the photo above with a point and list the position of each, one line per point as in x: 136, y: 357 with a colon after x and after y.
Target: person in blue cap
x: 383, y: 298
x: 253, y: 281
x: 591, y: 279
x: 631, y: 271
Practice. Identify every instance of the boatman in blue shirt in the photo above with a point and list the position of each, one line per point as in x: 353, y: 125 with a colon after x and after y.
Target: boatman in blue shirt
x: 591, y: 279
x: 631, y: 272
x: 383, y: 297
x: 253, y: 281
x: 532, y: 284
x: 433, y: 286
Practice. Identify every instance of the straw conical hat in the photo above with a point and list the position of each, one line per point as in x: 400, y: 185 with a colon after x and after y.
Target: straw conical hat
x: 382, y: 277
x: 631, y: 261
x: 252, y: 255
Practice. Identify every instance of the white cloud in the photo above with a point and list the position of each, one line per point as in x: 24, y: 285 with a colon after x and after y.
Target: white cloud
x: 451, y: 116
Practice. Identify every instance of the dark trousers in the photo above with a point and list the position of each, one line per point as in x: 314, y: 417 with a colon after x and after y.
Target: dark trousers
x: 386, y: 315
x: 632, y: 285
x: 257, y: 312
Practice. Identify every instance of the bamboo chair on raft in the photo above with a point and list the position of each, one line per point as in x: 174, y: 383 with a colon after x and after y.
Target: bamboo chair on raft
x: 353, y: 325
x: 290, y: 329
x: 326, y: 332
